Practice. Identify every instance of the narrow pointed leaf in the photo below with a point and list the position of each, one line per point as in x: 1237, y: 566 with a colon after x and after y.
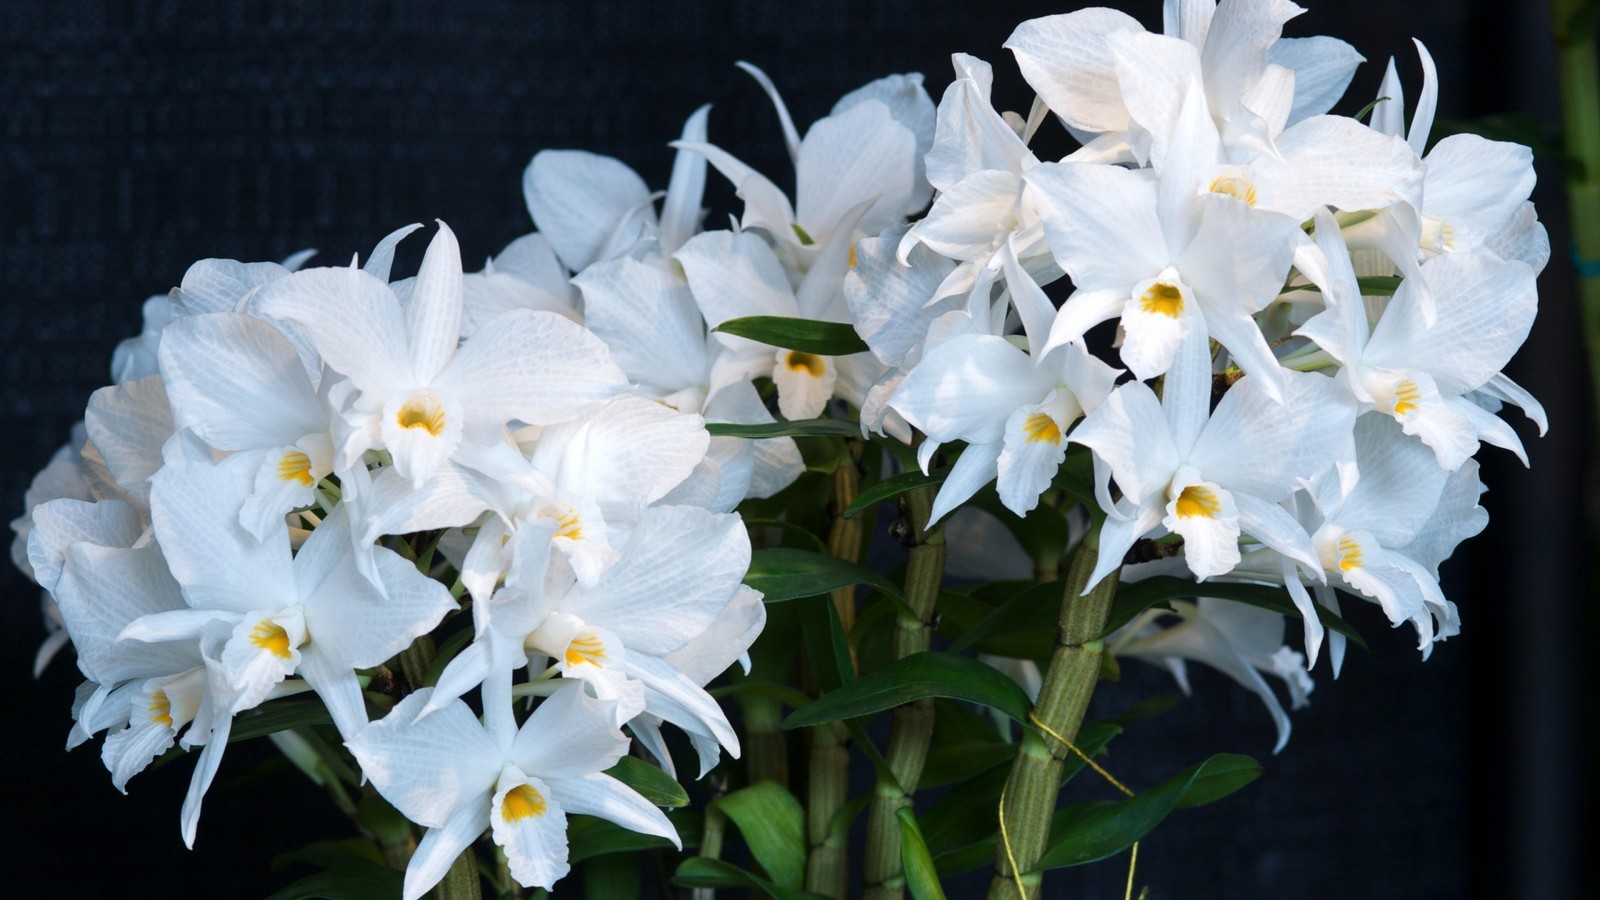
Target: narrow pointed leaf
x: 786, y: 573
x: 805, y: 335
x: 1222, y: 775
x: 700, y: 871
x: 894, y: 486
x: 650, y: 782
x: 930, y: 674
x: 1089, y: 832
x: 921, y: 878
x: 796, y: 428
x: 1030, y: 616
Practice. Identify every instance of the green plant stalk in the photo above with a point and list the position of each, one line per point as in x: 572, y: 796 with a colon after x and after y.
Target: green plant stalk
x: 461, y: 881
x: 911, y: 725
x: 1579, y: 76
x: 828, y: 765
x: 711, y: 834
x: 767, y: 750
x: 1069, y: 682
x: 415, y: 660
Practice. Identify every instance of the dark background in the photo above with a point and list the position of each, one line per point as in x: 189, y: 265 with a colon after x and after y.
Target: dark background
x: 140, y: 136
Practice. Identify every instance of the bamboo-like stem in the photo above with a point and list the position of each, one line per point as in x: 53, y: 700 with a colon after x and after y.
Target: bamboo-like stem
x: 1579, y: 75
x: 766, y: 745
x: 828, y: 766
x: 911, y: 727
x: 711, y: 845
x: 1069, y: 682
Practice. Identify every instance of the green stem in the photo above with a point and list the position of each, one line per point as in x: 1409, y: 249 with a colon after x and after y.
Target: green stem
x: 828, y: 766
x: 1035, y: 779
x: 461, y: 882
x: 767, y: 753
x: 911, y: 725
x: 711, y: 844
x: 1579, y: 76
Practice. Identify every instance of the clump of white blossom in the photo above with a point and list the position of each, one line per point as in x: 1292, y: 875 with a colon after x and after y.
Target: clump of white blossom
x: 299, y: 472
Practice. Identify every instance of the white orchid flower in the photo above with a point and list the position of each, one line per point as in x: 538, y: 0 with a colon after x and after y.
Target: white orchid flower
x: 526, y: 275
x: 61, y: 478
x: 868, y: 150
x: 737, y: 274
x: 1172, y: 258
x: 591, y: 208
x: 215, y: 367
x: 677, y: 577
x: 97, y: 561
x: 589, y: 481
x: 1255, y: 81
x: 455, y: 776
x: 1237, y: 640
x: 1014, y: 408
x: 985, y: 208
x: 415, y: 394
x: 1419, y: 373
x: 647, y: 317
x: 310, y: 614
x: 1212, y: 477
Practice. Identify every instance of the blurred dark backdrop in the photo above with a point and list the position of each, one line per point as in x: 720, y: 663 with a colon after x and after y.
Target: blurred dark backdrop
x: 140, y: 136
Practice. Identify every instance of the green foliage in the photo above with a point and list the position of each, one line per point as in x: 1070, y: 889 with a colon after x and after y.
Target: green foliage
x: 1087, y: 832
x: 930, y: 674
x: 805, y: 335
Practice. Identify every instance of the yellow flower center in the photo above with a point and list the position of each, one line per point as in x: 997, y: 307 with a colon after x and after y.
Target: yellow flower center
x: 161, y: 709
x: 271, y: 638
x: 522, y: 801
x: 585, y: 648
x: 810, y: 363
x: 1162, y: 298
x: 1040, y: 428
x: 1198, y: 501
x: 1406, y: 397
x: 422, y: 411
x: 569, y: 526
x: 1235, y: 187
x: 1349, y: 554
x: 296, y: 466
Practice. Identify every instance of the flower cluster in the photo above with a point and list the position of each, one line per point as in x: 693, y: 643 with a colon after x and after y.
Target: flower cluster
x: 1324, y: 310
x: 303, y: 475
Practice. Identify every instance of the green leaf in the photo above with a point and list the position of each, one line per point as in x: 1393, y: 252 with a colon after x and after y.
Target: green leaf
x: 966, y: 815
x: 331, y: 854
x: 1139, y: 596
x: 785, y: 573
x: 805, y: 335
x: 352, y: 881
x: 447, y: 651
x: 892, y: 487
x: 825, y: 643
x: 1370, y: 285
x: 795, y: 428
x: 652, y: 783
x: 1146, y: 709
x: 700, y: 871
x: 773, y: 826
x: 1222, y: 775
x: 1090, y: 832
x: 611, y: 879
x: 929, y: 674
x: 921, y: 879
x: 589, y: 837
x: 279, y: 715
x: 1030, y: 615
